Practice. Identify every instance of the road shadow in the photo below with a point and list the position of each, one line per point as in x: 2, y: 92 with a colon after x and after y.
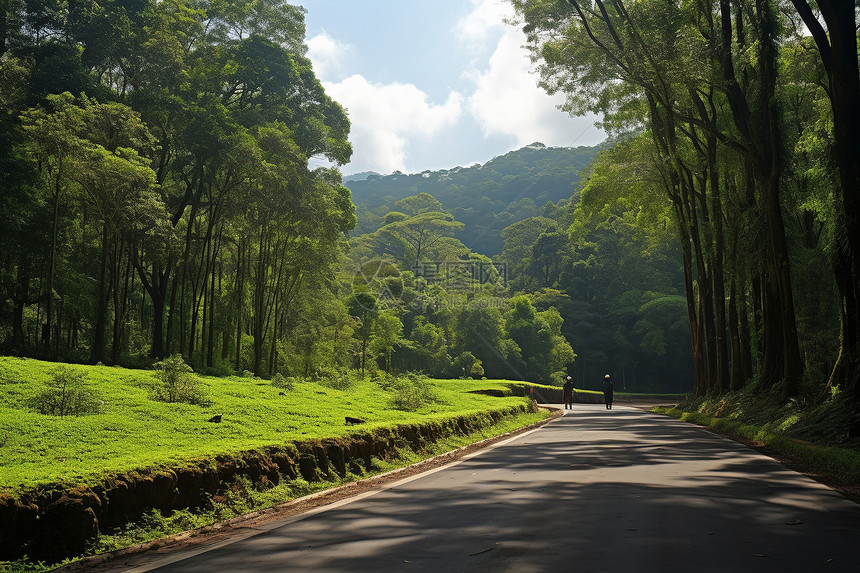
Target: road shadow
x: 594, y: 490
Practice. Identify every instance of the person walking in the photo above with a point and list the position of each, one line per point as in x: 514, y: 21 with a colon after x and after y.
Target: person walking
x: 608, y: 392
x: 568, y: 393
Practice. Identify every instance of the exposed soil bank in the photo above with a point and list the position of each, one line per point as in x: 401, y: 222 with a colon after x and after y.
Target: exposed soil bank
x: 52, y: 523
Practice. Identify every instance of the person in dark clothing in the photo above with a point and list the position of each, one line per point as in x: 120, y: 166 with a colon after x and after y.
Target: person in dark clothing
x: 608, y: 392
x: 568, y: 393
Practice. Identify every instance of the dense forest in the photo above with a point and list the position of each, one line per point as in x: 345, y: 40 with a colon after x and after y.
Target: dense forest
x: 156, y: 199
x: 618, y: 292
x: 156, y: 196
x: 738, y: 132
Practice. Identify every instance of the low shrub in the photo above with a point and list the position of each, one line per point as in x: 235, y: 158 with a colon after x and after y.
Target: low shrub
x: 334, y: 379
x: 383, y: 379
x: 177, y: 382
x: 283, y: 382
x: 411, y: 392
x: 65, y: 395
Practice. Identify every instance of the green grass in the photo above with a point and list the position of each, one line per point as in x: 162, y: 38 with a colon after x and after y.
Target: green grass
x: 133, y: 431
x: 245, y: 497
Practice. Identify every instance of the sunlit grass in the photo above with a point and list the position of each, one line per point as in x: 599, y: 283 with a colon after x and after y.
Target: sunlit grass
x: 134, y: 431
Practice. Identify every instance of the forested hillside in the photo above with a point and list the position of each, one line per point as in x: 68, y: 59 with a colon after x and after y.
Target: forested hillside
x: 615, y: 292
x: 485, y: 198
x: 157, y: 200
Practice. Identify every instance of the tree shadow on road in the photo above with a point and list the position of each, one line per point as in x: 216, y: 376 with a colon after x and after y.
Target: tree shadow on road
x: 594, y: 491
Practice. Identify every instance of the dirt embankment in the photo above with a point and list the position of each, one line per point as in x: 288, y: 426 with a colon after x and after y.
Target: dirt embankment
x: 53, y: 523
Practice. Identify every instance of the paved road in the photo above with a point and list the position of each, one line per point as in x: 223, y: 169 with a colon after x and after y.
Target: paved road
x: 596, y: 490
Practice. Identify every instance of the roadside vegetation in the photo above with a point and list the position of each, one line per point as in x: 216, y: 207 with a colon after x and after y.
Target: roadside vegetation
x: 151, y: 421
x: 135, y: 427
x: 812, y: 436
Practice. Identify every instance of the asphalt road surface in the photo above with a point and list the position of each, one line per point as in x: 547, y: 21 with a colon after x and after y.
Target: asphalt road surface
x: 596, y: 490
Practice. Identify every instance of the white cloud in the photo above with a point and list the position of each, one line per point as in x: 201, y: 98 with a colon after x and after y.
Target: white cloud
x: 485, y: 20
x: 327, y: 54
x: 507, y: 101
x: 386, y: 117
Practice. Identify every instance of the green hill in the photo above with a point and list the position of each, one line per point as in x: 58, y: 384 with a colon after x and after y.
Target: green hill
x: 487, y: 198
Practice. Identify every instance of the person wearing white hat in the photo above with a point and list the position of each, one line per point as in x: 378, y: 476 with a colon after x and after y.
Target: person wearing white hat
x: 567, y: 391
x: 607, y: 392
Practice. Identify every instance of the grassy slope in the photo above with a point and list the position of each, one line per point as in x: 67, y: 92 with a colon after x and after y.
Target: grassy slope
x: 134, y: 432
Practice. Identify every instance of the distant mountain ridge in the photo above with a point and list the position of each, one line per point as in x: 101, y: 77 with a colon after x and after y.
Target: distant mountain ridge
x: 487, y: 198
x: 361, y: 176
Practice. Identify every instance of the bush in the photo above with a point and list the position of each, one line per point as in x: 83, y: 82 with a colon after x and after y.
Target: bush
x: 177, y: 382
x: 335, y: 379
x: 66, y: 395
x: 283, y: 382
x: 383, y: 379
x: 411, y: 392
x: 466, y: 365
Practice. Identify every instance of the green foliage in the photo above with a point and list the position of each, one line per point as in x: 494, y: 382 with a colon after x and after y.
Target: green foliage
x: 411, y: 392
x: 335, y: 378
x: 387, y: 334
x: 66, y: 394
x: 178, y: 384
x: 283, y: 382
x: 136, y: 432
x: 543, y: 350
x: 485, y: 198
x: 467, y: 366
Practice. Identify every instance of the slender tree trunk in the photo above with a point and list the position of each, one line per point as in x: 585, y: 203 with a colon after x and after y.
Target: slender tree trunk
x: 52, y: 261
x: 240, y: 290
x: 20, y: 300
x: 170, y: 331
x: 100, y: 328
x: 260, y: 280
x: 736, y: 380
x: 700, y: 382
x: 744, y: 331
x: 210, y: 344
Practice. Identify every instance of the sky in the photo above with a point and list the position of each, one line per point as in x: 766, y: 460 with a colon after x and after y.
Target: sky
x: 433, y: 85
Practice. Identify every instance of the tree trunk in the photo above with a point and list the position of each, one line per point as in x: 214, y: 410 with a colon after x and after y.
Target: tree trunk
x: 52, y: 260
x: 240, y: 288
x: 737, y: 376
x: 98, y: 350
x: 837, y: 45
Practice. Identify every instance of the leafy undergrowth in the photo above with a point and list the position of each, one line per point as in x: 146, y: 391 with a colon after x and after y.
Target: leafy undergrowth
x: 132, y: 428
x: 813, y: 438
